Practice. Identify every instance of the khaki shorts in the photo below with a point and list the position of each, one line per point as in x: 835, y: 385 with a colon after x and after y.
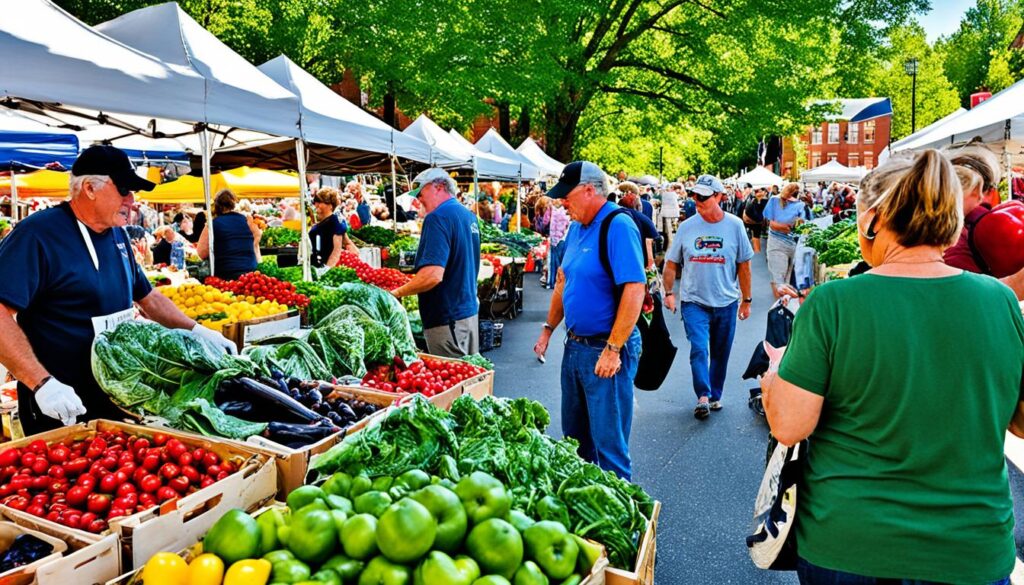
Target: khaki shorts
x: 455, y: 340
x: 780, y: 255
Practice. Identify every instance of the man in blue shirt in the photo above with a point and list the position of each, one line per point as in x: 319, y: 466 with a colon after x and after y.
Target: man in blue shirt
x: 713, y: 251
x: 600, y: 303
x: 68, y: 273
x: 447, y: 265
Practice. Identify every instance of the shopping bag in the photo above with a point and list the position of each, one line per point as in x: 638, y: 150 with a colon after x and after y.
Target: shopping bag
x: 772, y: 542
x: 658, y: 351
x: 780, y: 327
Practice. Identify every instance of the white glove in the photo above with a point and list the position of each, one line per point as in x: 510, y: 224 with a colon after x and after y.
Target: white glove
x: 59, y: 401
x: 216, y: 339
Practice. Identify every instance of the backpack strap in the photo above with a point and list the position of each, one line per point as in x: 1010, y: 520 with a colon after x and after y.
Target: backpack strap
x: 975, y: 253
x: 602, y: 248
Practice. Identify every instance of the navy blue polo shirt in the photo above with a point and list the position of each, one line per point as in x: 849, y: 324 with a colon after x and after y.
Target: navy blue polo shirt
x: 589, y: 295
x: 47, y: 275
x: 322, y: 237
x: 647, y: 208
x: 451, y: 240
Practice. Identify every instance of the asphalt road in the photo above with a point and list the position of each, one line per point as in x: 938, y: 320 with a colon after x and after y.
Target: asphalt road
x: 705, y: 474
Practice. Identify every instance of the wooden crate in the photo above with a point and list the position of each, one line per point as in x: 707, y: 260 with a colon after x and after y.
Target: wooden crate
x: 244, y: 333
x: 254, y: 483
x: 26, y: 574
x: 643, y: 573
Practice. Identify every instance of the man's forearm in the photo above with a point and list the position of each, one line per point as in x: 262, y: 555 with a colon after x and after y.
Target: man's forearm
x: 16, y: 354
x: 669, y: 276
x: 159, y: 308
x: 630, y: 304
x: 425, y: 279
x: 743, y: 272
x: 556, y: 311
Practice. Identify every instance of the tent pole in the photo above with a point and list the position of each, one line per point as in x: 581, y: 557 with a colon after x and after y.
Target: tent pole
x: 394, y: 196
x: 476, y: 189
x: 300, y: 159
x: 14, y: 195
x: 519, y: 199
x: 204, y: 146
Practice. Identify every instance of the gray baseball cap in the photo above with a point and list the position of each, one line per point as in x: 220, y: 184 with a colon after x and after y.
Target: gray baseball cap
x: 708, y: 185
x: 576, y: 173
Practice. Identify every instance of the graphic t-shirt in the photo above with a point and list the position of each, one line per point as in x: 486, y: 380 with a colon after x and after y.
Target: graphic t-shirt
x: 709, y: 253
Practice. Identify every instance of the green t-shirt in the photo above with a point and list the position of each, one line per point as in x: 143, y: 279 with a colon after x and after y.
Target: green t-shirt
x: 905, y: 475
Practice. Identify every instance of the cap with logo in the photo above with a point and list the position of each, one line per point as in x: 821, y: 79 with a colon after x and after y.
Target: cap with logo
x: 426, y: 177
x: 102, y: 159
x: 576, y: 173
x: 708, y: 185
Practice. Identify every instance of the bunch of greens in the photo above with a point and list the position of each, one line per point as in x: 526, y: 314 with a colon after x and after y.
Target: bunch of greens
x: 376, y: 236
x: 278, y: 237
x: 517, y: 244
x: 819, y: 239
x: 506, y: 439
x: 295, y: 358
x: 338, y: 276
x: 479, y: 360
x: 310, y: 289
x: 329, y: 299
x: 270, y: 268
x: 403, y: 244
x: 148, y: 369
x: 836, y: 244
x: 411, y: 303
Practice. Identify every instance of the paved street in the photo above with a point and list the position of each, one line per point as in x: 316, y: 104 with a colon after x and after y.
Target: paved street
x: 705, y: 473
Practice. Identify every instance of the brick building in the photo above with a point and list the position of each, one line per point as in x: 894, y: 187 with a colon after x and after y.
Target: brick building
x: 854, y: 137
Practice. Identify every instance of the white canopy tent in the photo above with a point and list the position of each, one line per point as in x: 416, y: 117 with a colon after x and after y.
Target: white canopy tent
x: 493, y: 143
x: 998, y: 120
x: 760, y: 177
x: 901, y: 143
x: 532, y: 151
x: 446, y: 152
x: 831, y: 171
x: 486, y: 165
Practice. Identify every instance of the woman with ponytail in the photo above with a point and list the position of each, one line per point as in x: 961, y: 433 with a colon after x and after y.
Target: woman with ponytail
x: 905, y: 379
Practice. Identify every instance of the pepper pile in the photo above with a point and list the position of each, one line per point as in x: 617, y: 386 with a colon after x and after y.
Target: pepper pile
x: 428, y: 377
x: 256, y: 288
x: 83, y: 484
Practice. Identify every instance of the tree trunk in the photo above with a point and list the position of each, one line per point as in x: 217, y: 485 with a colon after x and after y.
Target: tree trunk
x: 523, y: 125
x: 504, y: 121
x: 389, y: 110
x: 563, y: 117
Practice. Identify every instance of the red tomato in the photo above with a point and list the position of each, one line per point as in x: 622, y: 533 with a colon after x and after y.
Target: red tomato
x: 40, y: 466
x: 57, y: 472
x: 78, y: 495
x: 149, y: 484
x: 176, y: 448
x: 159, y: 439
x: 206, y: 482
x: 38, y: 447
x: 9, y: 457
x: 191, y: 473
x: 151, y: 462
x: 166, y: 493
x: 36, y: 510
x: 97, y: 526
x: 109, y: 483
x: 213, y: 470
x: 185, y: 459
x: 124, y: 489
x: 58, y: 454
x: 86, y: 480
x: 180, y: 484
x: 210, y: 459
x: 76, y: 465
x: 98, y: 503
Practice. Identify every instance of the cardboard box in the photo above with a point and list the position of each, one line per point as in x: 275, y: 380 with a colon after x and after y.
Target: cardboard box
x: 26, y: 574
x: 643, y: 573
x: 91, y: 564
x: 162, y: 527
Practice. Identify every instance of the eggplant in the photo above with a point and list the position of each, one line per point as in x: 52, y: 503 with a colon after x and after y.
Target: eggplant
x: 26, y: 549
x: 315, y: 395
x: 297, y: 436
x: 346, y: 411
x: 336, y: 419
x: 238, y: 408
x: 268, y: 403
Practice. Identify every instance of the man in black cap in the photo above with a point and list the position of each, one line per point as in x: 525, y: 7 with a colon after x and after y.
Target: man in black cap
x: 68, y: 273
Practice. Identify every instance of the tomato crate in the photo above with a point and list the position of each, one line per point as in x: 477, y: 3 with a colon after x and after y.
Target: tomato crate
x: 244, y: 333
x: 84, y: 561
x: 477, y: 386
x: 643, y: 573
x: 167, y: 525
x: 596, y: 576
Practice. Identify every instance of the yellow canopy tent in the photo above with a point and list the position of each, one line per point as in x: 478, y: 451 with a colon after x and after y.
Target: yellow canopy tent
x: 43, y: 183
x: 244, y: 182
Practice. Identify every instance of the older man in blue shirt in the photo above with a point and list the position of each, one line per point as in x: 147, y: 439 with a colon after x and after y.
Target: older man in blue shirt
x: 599, y: 291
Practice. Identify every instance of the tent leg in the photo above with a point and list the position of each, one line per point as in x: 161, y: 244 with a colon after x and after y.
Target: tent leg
x: 304, y: 251
x: 204, y: 145
x: 519, y: 200
x: 476, y: 189
x: 14, y: 195
x: 394, y: 196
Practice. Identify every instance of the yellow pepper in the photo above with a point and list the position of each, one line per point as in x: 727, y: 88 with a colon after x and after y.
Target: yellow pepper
x: 248, y: 572
x: 206, y: 569
x: 165, y: 569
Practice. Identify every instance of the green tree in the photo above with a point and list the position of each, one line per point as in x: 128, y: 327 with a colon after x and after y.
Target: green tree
x: 936, y: 96
x: 985, y: 33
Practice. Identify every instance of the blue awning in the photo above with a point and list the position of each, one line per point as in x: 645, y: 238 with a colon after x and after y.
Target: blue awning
x: 37, y: 149
x: 142, y: 156
x: 882, y: 107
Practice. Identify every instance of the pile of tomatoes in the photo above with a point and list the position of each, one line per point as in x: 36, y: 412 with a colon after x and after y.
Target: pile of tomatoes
x: 256, y: 287
x: 428, y: 377
x: 385, y: 278
x: 84, y: 484
x: 495, y: 262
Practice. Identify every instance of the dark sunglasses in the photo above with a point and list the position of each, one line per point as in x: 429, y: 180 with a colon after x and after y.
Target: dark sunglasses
x: 702, y: 198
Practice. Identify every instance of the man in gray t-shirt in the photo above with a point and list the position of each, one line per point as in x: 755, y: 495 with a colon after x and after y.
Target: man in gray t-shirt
x: 713, y: 250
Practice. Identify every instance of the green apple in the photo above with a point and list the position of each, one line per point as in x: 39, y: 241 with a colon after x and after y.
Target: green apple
x: 552, y: 547
x: 446, y: 507
x: 484, y: 497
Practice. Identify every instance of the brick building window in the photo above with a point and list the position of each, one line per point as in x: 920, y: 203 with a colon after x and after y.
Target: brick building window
x: 815, y: 160
x: 833, y: 133
x: 853, y: 133
x: 816, y: 135
x: 869, y: 132
x: 869, y: 160
x: 854, y: 159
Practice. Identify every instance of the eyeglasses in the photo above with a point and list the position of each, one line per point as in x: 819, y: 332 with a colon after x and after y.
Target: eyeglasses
x: 702, y: 198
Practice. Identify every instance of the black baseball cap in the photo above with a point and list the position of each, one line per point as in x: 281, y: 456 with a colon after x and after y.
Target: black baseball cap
x: 102, y: 159
x: 575, y: 173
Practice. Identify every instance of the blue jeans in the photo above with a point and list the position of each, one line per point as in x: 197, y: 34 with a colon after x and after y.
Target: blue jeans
x: 598, y: 412
x: 710, y: 332
x: 555, y: 261
x: 814, y: 575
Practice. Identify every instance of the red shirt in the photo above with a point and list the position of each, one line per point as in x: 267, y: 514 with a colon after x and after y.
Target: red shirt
x: 959, y: 254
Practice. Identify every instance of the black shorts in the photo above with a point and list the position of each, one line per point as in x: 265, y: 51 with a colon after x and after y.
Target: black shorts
x: 756, y: 230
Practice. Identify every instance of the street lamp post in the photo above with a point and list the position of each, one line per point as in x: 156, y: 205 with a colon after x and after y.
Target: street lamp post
x: 910, y: 66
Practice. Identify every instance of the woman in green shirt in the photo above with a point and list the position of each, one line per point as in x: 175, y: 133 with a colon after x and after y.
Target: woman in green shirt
x: 906, y: 379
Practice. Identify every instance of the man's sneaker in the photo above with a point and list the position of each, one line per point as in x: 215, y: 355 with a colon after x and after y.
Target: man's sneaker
x: 715, y: 405
x: 702, y: 411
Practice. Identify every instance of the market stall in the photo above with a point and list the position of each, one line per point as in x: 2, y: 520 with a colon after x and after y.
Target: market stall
x: 833, y: 171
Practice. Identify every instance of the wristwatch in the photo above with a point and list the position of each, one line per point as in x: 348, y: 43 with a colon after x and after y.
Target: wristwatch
x: 748, y: 300
x: 613, y: 348
x: 549, y: 327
